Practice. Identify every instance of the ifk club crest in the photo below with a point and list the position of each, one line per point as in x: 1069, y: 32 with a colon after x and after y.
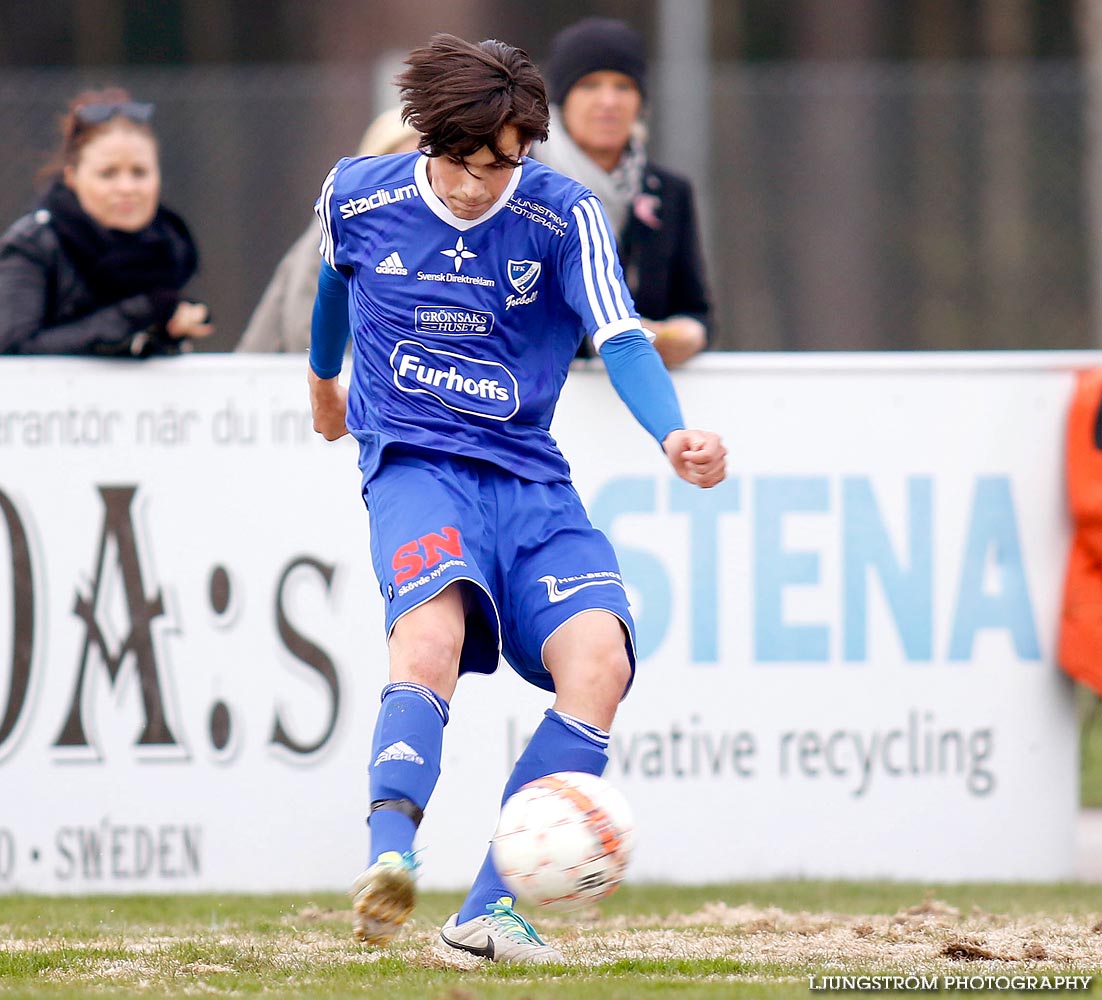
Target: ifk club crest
x: 523, y: 274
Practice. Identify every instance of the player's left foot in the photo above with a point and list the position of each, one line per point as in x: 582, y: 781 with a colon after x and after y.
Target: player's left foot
x: 502, y: 935
x: 383, y: 897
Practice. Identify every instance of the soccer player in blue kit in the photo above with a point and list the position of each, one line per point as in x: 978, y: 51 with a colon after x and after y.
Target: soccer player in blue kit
x: 467, y: 275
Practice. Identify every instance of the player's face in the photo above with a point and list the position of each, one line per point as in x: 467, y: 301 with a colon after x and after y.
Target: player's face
x: 599, y: 111
x: 470, y: 187
x: 117, y: 178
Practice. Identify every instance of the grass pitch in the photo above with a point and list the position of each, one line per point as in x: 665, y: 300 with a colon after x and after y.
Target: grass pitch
x: 757, y: 940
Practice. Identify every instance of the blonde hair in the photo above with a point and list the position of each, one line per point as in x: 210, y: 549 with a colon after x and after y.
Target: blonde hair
x: 388, y: 134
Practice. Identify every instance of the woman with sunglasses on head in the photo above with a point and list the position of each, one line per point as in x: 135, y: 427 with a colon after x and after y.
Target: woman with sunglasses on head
x: 97, y: 267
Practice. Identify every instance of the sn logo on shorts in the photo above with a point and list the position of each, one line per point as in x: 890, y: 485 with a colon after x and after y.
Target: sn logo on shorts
x: 427, y: 553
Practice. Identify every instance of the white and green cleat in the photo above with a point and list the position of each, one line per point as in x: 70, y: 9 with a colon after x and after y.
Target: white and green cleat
x: 501, y: 935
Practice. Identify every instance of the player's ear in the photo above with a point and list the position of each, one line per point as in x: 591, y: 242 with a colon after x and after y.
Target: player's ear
x: 525, y: 149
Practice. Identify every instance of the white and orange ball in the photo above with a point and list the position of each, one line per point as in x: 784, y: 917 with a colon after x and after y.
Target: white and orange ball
x: 564, y: 841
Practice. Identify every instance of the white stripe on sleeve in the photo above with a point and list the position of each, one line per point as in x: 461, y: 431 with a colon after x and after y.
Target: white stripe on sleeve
x: 601, y: 263
x: 324, y: 211
x: 610, y: 258
x: 587, y: 267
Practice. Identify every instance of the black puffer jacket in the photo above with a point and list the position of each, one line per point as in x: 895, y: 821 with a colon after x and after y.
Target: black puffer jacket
x: 50, y: 305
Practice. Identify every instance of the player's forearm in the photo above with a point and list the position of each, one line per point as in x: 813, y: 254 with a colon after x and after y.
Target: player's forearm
x: 329, y: 324
x: 642, y: 382
x: 328, y: 405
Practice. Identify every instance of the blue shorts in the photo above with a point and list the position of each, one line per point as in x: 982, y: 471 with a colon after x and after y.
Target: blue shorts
x: 528, y: 548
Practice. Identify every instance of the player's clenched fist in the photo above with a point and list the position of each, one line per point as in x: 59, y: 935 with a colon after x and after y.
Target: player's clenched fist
x: 328, y: 404
x: 698, y: 457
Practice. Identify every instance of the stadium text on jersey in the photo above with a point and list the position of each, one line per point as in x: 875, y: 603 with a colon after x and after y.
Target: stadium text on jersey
x: 357, y: 206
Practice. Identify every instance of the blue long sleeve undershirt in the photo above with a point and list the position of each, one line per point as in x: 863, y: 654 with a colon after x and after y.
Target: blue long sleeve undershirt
x: 329, y: 327
x: 640, y: 379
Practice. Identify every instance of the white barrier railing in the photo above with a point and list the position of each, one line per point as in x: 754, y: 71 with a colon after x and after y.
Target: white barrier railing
x: 846, y: 650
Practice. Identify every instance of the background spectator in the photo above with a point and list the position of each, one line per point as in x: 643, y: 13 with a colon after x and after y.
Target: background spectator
x: 98, y: 266
x: 597, y: 78
x: 281, y: 320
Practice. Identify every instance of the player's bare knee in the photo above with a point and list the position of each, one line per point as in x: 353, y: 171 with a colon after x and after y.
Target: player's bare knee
x: 428, y: 656
x: 616, y: 671
x: 608, y: 653
x: 600, y: 681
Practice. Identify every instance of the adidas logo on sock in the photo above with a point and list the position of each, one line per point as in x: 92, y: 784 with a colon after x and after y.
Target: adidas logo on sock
x: 392, y: 265
x: 399, y: 751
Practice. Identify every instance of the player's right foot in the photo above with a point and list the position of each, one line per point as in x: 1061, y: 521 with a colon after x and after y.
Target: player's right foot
x: 501, y: 935
x: 382, y: 898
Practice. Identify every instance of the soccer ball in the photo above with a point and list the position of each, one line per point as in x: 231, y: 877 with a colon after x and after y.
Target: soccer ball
x: 563, y: 841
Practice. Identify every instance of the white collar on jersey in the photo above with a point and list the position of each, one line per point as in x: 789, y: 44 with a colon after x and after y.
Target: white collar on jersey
x: 441, y: 211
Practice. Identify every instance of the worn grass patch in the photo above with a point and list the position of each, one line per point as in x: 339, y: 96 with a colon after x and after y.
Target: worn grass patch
x: 765, y: 939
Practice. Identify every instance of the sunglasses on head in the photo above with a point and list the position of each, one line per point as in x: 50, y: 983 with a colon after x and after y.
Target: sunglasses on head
x: 102, y: 111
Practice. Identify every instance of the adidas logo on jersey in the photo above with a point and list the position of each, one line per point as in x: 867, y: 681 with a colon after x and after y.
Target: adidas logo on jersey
x: 399, y: 751
x: 392, y: 265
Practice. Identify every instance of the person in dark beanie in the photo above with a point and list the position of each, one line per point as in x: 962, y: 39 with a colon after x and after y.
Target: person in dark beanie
x: 596, y: 72
x: 592, y: 45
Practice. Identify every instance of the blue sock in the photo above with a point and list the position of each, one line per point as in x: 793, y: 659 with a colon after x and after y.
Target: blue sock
x: 560, y: 743
x: 405, y: 762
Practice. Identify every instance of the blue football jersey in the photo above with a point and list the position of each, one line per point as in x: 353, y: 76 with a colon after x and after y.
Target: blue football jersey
x: 464, y: 330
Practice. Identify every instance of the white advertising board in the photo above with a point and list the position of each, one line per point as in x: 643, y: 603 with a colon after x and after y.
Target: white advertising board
x: 846, y: 651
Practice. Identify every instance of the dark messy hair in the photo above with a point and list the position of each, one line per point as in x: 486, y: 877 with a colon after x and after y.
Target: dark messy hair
x: 460, y: 95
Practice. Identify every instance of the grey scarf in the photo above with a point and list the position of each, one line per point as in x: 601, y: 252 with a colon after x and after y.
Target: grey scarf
x: 617, y: 190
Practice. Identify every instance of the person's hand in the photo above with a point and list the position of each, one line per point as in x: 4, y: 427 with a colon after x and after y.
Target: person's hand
x: 328, y: 404
x: 677, y: 339
x: 191, y: 319
x: 698, y: 457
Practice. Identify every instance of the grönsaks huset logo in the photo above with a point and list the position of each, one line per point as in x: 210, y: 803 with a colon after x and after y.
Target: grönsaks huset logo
x: 464, y: 384
x: 451, y: 321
